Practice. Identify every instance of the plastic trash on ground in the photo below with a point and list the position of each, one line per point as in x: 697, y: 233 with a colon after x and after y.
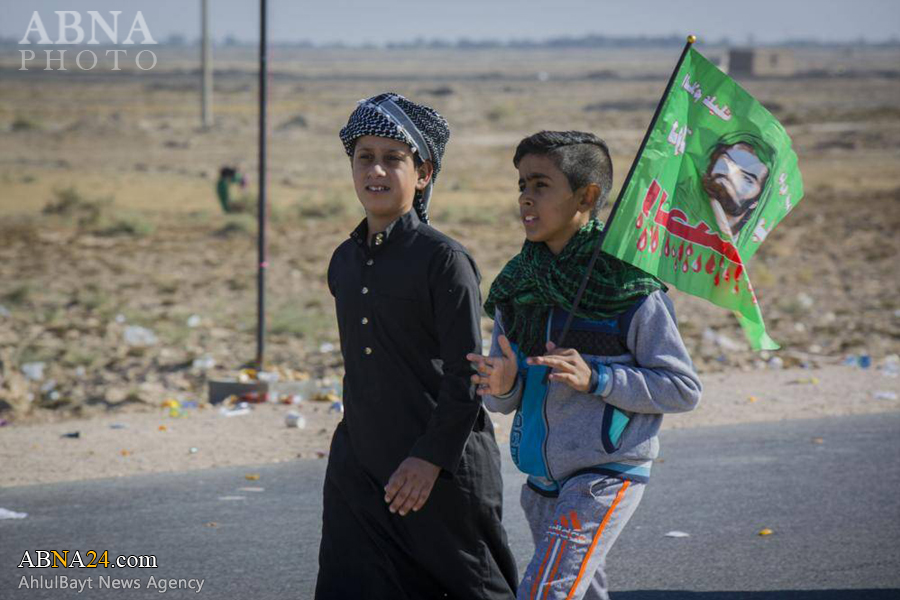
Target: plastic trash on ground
x: 139, y: 337
x: 174, y: 407
x: 239, y: 409
x: 295, y: 419
x: 247, y: 375
x: 34, y: 370
x: 11, y: 514
x: 203, y: 363
x: 328, y: 391
x: 267, y: 376
x: 678, y: 534
x: 254, y: 397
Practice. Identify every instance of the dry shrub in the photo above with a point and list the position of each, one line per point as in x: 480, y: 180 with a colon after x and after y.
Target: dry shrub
x: 96, y: 215
x: 70, y: 205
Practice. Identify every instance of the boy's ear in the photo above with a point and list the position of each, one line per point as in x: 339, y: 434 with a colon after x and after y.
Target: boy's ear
x: 425, y: 171
x: 589, y: 196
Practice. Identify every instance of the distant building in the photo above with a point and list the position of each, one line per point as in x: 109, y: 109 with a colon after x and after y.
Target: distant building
x: 720, y: 60
x: 761, y: 62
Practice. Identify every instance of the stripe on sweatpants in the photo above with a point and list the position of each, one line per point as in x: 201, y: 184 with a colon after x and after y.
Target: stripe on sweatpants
x: 541, y: 580
x: 549, y: 581
x: 537, y: 576
x: 575, y: 522
x: 596, y: 539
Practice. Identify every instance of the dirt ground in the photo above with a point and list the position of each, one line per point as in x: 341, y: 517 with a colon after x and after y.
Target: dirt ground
x: 109, y: 222
x: 135, y: 442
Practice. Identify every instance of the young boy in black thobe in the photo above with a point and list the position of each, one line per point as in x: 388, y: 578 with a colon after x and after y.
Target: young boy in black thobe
x: 413, y: 495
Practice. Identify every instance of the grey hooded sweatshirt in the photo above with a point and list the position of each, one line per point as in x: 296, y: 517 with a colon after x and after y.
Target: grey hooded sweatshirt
x: 644, y: 370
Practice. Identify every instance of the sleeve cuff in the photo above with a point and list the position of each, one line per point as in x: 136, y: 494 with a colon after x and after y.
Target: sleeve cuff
x: 601, y: 380
x: 442, y: 459
x: 512, y: 392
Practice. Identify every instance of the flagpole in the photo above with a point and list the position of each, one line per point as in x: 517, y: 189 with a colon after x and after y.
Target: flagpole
x: 562, y: 336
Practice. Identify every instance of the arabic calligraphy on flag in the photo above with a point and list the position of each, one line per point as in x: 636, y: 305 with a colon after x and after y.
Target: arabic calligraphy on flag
x: 716, y: 175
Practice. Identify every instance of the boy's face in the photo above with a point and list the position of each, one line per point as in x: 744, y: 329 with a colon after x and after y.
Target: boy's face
x: 385, y: 176
x: 550, y: 211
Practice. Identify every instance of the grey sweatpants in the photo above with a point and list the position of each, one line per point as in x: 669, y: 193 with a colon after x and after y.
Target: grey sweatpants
x: 572, y: 535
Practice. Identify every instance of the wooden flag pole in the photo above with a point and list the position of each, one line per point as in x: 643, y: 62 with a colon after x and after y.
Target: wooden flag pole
x: 562, y: 336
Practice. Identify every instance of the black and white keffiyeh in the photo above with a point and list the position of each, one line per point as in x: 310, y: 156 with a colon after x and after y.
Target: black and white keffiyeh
x: 395, y: 117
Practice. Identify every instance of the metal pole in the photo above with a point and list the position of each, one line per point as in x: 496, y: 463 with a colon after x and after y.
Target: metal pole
x: 263, y: 264
x: 562, y: 336
x: 206, y: 57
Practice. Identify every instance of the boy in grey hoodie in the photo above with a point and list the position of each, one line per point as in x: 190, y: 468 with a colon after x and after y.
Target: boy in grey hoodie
x: 587, y: 415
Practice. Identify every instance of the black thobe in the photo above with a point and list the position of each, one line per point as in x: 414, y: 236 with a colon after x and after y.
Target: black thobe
x: 408, y: 310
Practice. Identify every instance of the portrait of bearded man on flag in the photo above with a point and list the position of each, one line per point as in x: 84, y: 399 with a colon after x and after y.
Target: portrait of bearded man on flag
x: 737, y: 178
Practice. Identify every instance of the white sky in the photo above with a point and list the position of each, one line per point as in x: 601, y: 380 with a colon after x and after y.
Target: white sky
x: 355, y: 21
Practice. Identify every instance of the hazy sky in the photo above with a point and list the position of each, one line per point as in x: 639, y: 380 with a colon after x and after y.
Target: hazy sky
x: 356, y: 21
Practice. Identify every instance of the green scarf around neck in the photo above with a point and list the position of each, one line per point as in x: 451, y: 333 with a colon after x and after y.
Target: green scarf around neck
x: 536, y: 280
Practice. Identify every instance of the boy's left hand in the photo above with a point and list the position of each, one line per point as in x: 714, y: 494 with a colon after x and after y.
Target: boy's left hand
x: 410, y: 485
x: 568, y: 367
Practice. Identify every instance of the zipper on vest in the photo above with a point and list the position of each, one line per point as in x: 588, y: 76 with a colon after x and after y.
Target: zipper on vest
x: 544, y: 410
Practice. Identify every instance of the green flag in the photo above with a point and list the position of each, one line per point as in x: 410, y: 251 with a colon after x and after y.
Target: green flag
x: 715, y: 175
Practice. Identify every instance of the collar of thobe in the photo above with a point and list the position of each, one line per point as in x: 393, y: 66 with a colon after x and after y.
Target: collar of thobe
x: 405, y: 223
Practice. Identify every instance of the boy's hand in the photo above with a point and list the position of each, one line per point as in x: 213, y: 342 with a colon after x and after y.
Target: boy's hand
x: 568, y: 367
x: 496, y: 374
x: 410, y: 485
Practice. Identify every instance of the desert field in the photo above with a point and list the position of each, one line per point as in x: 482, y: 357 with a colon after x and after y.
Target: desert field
x: 109, y: 219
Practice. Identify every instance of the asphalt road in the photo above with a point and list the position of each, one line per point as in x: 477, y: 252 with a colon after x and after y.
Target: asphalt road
x: 828, y: 489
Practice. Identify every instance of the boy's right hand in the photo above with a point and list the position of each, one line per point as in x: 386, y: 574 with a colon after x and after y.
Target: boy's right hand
x: 496, y: 374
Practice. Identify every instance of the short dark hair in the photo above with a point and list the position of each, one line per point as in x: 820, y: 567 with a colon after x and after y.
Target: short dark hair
x: 582, y: 157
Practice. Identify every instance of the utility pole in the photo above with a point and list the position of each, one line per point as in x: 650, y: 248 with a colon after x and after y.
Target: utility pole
x: 206, y: 57
x: 263, y: 261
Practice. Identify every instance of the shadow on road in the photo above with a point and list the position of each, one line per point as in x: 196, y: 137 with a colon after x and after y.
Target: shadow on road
x: 882, y: 594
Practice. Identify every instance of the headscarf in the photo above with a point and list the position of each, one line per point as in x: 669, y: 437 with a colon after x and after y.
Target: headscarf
x: 393, y: 116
